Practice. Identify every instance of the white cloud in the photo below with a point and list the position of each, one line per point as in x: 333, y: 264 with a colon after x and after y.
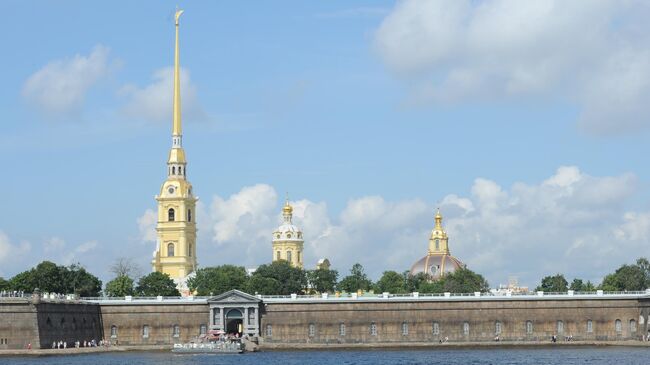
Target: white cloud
x: 592, y: 53
x: 147, y: 226
x: 79, y: 253
x: 61, y: 85
x: 11, y: 253
x: 53, y: 244
x: 154, y: 101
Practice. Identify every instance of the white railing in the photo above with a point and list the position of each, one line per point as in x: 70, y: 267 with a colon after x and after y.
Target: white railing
x: 394, y: 297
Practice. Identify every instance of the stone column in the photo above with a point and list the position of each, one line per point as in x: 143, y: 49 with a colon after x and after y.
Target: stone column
x: 245, y: 321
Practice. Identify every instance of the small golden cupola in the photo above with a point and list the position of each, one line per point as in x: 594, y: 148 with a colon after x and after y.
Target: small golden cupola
x: 438, y: 260
x: 287, y: 239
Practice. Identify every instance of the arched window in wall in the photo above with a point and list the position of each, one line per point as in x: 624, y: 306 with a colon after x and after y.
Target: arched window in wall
x: 278, y: 255
x: 170, y: 250
x: 466, y: 328
x: 405, y: 328
x: 618, y: 326
x: 436, y: 328
x: 373, y: 329
x: 145, y: 331
x: 590, y: 326
x: 560, y: 327
x: 312, y: 330
x: 632, y: 326
x: 171, y: 215
x: 176, y: 330
x: 289, y: 256
x: 269, y: 330
x: 497, y: 327
x: 113, y: 331
x: 341, y: 329
x: 529, y: 327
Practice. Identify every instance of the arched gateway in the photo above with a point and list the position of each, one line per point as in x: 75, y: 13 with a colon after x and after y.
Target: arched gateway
x: 235, y: 312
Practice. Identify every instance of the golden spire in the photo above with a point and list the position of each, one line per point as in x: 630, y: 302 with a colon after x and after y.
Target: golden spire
x: 176, y: 130
x: 438, y: 220
x: 288, y: 209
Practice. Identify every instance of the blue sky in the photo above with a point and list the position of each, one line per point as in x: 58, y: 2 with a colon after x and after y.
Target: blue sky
x: 526, y: 123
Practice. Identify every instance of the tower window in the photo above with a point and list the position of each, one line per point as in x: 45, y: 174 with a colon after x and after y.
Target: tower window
x: 277, y: 255
x: 170, y: 250
x: 173, y: 170
x: 289, y: 256
x: 298, y: 256
x: 189, y: 215
x: 437, y: 244
x: 170, y: 215
x: 189, y: 250
x: 180, y: 170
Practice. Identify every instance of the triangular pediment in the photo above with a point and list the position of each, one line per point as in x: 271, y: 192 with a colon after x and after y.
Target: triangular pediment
x: 234, y: 296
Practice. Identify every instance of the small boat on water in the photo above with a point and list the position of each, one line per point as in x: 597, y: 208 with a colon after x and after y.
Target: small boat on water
x: 234, y: 346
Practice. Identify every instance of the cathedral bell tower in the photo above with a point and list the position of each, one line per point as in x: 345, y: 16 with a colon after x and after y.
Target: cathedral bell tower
x: 176, y: 229
x: 287, y: 239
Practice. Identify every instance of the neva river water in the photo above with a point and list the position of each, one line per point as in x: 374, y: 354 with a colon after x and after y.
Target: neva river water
x: 495, y: 356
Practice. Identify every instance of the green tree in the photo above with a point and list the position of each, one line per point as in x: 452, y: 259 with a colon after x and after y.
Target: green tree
x: 626, y: 277
x: 219, y: 279
x: 577, y: 285
x: 323, y: 280
x: 263, y: 285
x: 357, y: 280
x: 121, y: 286
x: 80, y: 282
x: 392, y: 282
x: 464, y: 280
x: 430, y: 287
x: 4, y: 284
x: 556, y: 283
x: 288, y: 279
x: 414, y: 282
x: 156, y: 284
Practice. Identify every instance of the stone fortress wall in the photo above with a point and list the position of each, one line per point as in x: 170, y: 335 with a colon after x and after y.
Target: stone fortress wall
x: 378, y: 320
x: 38, y: 322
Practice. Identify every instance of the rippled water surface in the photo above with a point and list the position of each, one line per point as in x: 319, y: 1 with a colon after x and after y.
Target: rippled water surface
x: 501, y: 356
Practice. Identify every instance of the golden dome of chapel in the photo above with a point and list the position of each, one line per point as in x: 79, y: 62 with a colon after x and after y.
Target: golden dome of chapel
x: 438, y: 262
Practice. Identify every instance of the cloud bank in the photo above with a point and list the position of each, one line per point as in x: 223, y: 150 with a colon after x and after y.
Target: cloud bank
x: 593, y: 54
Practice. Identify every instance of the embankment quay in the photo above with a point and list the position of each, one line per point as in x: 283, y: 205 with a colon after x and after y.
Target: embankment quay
x: 330, y: 321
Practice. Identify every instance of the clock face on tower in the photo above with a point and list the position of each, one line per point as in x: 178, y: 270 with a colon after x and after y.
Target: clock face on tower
x: 170, y: 190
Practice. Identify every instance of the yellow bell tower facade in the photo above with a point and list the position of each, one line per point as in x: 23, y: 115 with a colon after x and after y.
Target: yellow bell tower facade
x: 176, y: 247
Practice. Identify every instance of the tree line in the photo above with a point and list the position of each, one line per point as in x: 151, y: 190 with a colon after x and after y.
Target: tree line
x: 280, y: 278
x: 635, y: 277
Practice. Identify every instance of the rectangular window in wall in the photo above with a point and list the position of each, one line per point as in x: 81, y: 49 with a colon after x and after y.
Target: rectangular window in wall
x: 251, y: 315
x: 560, y: 327
x: 373, y: 329
x: 269, y: 330
x: 529, y: 327
x: 312, y: 330
x: 203, y: 330
x: 436, y: 328
x: 590, y: 326
x: 145, y: 331
x: 497, y: 327
x: 341, y: 329
x: 466, y: 328
x: 405, y: 328
x: 216, y: 316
